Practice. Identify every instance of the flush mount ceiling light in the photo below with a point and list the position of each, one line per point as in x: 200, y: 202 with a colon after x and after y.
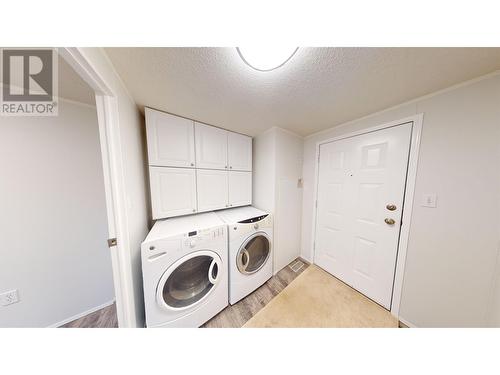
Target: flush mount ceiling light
x: 265, y: 59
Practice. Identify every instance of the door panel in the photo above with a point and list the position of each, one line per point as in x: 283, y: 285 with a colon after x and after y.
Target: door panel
x: 211, y: 147
x: 212, y: 189
x: 240, y: 188
x: 239, y: 152
x: 358, y: 177
x: 170, y: 140
x: 173, y: 191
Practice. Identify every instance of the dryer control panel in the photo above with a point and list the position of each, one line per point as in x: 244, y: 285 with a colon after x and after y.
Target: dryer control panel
x: 253, y: 219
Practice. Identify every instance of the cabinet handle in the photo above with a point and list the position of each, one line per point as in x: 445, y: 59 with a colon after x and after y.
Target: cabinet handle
x: 231, y: 167
x: 225, y: 167
x: 192, y: 164
x: 194, y: 210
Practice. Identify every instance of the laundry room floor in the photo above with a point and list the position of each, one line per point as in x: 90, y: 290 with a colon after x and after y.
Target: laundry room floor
x: 349, y: 308
x: 237, y: 315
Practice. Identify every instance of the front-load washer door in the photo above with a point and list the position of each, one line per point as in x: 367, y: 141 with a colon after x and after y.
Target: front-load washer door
x: 189, y: 281
x: 254, y: 253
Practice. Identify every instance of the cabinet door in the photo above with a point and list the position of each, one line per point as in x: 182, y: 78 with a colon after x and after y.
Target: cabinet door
x: 170, y: 140
x: 212, y: 189
x: 239, y: 152
x: 240, y: 188
x: 173, y: 191
x: 211, y: 147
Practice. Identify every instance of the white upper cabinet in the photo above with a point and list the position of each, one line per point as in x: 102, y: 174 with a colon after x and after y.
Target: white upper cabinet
x: 195, y: 167
x: 170, y: 140
x: 173, y: 191
x: 239, y: 152
x: 212, y: 187
x: 211, y: 147
x: 239, y: 188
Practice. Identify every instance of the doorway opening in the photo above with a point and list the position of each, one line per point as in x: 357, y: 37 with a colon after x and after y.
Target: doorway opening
x: 56, y: 257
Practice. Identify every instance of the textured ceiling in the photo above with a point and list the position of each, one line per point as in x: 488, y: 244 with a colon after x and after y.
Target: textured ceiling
x: 317, y: 89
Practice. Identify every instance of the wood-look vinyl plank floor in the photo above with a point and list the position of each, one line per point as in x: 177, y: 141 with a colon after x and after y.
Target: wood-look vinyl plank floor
x: 103, y: 318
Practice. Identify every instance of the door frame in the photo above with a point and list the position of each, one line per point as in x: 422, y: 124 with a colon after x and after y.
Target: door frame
x: 114, y: 185
x: 411, y: 176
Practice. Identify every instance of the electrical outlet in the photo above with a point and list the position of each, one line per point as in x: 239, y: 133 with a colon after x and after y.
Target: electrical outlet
x: 10, y: 297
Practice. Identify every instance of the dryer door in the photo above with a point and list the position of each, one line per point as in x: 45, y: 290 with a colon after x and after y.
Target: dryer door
x: 254, y: 253
x: 189, y: 281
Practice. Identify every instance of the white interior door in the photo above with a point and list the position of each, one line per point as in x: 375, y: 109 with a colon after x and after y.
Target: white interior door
x: 212, y: 188
x: 211, y: 147
x: 239, y: 152
x: 361, y: 186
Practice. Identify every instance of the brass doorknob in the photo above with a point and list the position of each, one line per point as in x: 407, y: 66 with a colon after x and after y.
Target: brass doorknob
x: 391, y: 207
x: 389, y: 221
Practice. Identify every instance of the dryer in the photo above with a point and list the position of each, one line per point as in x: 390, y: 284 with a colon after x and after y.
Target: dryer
x: 184, y: 269
x: 250, y: 236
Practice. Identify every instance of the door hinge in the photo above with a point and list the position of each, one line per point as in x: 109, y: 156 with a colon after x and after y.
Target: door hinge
x: 112, y: 242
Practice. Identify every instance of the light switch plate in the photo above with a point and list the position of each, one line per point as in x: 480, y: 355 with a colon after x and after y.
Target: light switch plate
x: 429, y: 200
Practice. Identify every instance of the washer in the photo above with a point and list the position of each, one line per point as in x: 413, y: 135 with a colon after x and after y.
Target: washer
x: 250, y: 233
x: 184, y: 270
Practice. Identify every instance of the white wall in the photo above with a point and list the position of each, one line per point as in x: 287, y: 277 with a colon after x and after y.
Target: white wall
x: 288, y: 213
x: 53, y: 221
x: 264, y: 171
x: 452, y: 249
x: 277, y: 167
x: 133, y: 150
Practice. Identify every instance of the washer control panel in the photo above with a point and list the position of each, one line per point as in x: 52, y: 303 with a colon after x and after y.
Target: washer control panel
x: 193, y: 238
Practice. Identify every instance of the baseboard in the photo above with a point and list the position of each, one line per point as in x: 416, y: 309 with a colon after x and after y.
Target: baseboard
x: 407, y: 323
x: 303, y: 260
x: 80, y: 315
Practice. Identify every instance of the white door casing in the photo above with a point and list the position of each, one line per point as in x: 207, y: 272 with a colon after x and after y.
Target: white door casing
x: 239, y: 152
x: 211, y: 147
x: 358, y: 177
x: 170, y: 140
x: 239, y: 188
x: 116, y: 200
x: 212, y: 189
x: 173, y: 191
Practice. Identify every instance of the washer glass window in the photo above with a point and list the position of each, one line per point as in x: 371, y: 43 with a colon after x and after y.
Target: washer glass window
x: 190, y: 281
x: 253, y: 254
